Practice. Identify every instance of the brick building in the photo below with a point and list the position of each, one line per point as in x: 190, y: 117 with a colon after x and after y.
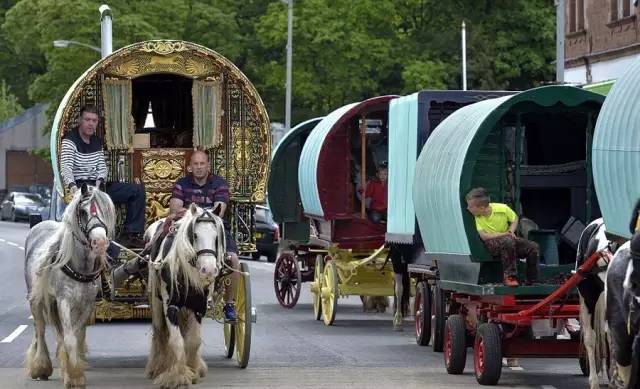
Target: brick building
x: 601, y: 39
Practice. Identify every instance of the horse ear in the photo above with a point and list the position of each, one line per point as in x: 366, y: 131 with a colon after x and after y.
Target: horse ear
x: 193, y: 208
x: 84, y: 189
x: 217, y: 209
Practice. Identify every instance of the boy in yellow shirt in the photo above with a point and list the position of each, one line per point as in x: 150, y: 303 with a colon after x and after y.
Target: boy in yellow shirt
x: 496, y: 224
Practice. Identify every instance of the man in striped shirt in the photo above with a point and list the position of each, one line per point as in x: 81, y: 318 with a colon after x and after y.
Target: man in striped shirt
x: 82, y: 162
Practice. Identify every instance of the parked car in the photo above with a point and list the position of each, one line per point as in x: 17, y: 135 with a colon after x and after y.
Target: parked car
x: 18, y: 205
x: 267, y: 234
x: 43, y: 190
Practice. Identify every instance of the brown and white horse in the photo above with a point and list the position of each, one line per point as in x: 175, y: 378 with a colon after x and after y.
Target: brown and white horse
x: 180, y: 279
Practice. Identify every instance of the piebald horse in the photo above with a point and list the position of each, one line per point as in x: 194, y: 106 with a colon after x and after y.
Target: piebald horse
x: 63, y: 263
x: 180, y: 279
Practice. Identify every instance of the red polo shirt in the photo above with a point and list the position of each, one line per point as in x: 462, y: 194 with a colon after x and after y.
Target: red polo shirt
x: 377, y: 191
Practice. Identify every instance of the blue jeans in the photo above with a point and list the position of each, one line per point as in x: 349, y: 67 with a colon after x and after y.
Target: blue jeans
x: 132, y: 195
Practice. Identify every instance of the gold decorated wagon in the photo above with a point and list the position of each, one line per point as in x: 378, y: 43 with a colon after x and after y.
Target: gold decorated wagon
x: 157, y: 102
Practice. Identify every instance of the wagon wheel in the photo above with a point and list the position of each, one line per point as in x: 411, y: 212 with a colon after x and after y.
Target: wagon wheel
x: 287, y: 280
x: 329, y: 293
x: 455, y: 347
x: 229, y: 340
x: 438, y: 317
x: 487, y: 354
x: 423, y: 313
x: 243, y: 325
x: 316, y: 287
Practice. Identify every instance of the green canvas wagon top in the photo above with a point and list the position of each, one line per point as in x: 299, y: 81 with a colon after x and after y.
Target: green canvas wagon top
x: 532, y: 151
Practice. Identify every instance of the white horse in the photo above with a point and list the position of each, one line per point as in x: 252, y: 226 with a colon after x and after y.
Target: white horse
x: 62, y: 265
x: 179, y: 284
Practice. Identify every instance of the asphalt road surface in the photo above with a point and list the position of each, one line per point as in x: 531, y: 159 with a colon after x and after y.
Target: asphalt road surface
x: 289, y: 348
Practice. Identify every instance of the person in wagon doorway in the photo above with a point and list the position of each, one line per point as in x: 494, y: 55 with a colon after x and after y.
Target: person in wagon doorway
x: 208, y: 191
x: 82, y: 161
x: 497, y: 224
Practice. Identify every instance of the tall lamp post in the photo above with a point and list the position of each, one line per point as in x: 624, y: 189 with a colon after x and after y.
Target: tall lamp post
x: 287, y: 109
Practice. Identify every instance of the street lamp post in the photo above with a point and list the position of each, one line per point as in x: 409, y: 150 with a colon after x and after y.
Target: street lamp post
x: 287, y: 108
x: 66, y: 43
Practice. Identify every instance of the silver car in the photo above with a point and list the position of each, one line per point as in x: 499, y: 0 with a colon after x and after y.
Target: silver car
x: 18, y: 205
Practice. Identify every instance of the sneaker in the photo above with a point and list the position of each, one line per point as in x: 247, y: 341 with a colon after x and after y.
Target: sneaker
x: 230, y: 315
x: 511, y: 281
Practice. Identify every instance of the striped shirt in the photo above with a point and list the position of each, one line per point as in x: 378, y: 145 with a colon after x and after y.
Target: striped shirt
x: 80, y: 160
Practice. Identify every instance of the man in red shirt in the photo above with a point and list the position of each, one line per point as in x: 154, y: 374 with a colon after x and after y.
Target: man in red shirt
x: 376, y: 196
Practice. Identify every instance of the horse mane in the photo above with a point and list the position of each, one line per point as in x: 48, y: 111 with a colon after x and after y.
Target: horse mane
x: 182, y: 251
x: 60, y: 247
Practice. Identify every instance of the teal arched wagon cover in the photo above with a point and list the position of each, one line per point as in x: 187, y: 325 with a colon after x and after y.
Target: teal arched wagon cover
x: 616, y: 152
x: 283, y: 193
x: 467, y: 150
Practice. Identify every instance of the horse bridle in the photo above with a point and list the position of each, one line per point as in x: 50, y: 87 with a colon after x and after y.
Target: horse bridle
x: 86, y: 230
x: 206, y: 217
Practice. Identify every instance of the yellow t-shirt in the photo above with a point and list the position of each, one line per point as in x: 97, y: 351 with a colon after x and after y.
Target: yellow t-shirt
x: 499, y: 220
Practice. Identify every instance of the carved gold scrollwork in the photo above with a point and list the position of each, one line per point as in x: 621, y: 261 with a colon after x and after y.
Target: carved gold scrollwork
x: 163, y: 47
x: 160, y: 170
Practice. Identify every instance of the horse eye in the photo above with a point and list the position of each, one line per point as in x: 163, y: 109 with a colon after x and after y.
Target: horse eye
x: 195, y: 236
x: 83, y: 213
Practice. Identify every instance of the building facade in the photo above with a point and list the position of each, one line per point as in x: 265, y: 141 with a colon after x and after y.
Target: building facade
x: 601, y: 39
x: 18, y: 136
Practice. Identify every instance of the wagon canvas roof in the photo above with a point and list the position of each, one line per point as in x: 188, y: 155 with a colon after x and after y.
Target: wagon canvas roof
x: 445, y: 166
x: 317, y: 151
x: 616, y: 152
x: 283, y: 179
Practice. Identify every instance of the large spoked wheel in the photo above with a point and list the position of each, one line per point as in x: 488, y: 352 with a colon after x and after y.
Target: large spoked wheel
x: 455, y: 348
x: 423, y: 313
x: 487, y: 349
x: 287, y: 280
x: 243, y: 325
x: 438, y: 318
x: 316, y: 287
x: 330, y: 293
x: 229, y: 340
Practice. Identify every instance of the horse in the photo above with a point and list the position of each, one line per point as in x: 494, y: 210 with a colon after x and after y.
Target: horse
x: 592, y: 299
x: 63, y: 261
x: 400, y: 255
x: 180, y: 279
x: 622, y: 290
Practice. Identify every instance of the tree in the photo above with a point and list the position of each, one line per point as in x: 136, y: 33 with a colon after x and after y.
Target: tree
x: 9, y: 105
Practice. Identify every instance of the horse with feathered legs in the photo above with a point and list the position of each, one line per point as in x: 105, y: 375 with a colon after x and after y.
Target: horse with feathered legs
x: 63, y: 261
x: 180, y: 279
x: 622, y: 292
x: 592, y: 298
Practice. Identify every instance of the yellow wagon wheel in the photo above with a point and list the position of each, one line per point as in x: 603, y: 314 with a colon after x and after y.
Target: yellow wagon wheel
x: 316, y: 287
x: 229, y: 340
x: 243, y: 325
x: 330, y: 293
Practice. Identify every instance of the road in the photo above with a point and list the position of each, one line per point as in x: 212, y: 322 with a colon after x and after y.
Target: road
x: 289, y: 348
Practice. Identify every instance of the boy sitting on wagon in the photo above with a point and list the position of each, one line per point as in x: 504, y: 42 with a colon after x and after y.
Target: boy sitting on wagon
x: 496, y: 224
x: 376, y: 195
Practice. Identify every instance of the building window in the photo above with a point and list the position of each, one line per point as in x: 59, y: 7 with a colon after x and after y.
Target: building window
x: 621, y: 9
x: 576, y: 15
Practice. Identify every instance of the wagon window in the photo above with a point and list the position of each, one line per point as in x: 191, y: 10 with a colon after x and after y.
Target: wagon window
x: 162, y: 107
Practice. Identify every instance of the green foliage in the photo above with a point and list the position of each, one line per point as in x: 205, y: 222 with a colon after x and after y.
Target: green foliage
x: 344, y: 50
x: 9, y: 105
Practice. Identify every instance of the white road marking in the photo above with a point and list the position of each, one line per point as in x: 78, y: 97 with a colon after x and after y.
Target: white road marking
x: 517, y: 368
x: 548, y: 387
x: 21, y: 248
x: 2, y: 240
x: 13, y: 244
x: 14, y: 334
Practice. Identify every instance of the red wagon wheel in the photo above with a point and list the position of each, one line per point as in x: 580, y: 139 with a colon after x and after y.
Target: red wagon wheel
x: 287, y: 280
x: 487, y: 359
